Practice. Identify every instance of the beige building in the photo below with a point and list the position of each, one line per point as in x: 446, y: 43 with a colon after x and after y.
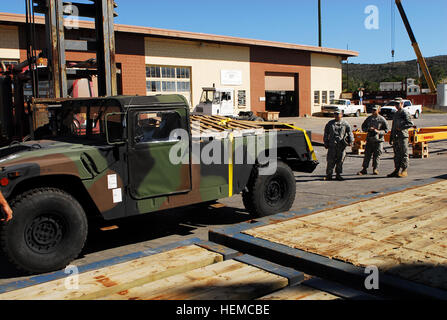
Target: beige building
x: 326, y: 79
x: 188, y: 66
x: 9, y: 43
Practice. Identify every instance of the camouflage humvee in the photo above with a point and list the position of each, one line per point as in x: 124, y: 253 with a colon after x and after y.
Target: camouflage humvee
x: 124, y: 156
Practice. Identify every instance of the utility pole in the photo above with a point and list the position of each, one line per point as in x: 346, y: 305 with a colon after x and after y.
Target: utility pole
x: 319, y: 24
x: 347, y: 70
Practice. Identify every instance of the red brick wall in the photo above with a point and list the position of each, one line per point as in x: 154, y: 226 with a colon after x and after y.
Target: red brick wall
x: 265, y: 60
x: 130, y: 53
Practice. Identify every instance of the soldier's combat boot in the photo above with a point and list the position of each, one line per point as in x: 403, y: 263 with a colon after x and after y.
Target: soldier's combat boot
x: 328, y: 177
x: 339, y: 178
x: 363, y: 172
x: 394, y: 174
x: 376, y: 172
x: 403, y: 174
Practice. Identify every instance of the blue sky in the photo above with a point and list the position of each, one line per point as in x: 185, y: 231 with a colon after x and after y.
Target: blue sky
x: 295, y: 21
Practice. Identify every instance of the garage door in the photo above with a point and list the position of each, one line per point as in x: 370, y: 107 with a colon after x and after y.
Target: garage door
x: 279, y: 83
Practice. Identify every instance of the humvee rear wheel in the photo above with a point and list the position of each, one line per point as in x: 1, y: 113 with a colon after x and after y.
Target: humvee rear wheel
x: 48, y: 231
x: 267, y: 195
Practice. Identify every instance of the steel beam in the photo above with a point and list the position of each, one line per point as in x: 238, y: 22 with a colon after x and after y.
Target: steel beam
x: 105, y: 35
x: 54, y: 24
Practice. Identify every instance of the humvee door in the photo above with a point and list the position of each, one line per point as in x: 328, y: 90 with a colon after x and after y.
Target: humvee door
x: 151, y: 171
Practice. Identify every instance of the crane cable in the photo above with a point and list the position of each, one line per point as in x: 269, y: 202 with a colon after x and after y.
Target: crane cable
x: 393, y: 30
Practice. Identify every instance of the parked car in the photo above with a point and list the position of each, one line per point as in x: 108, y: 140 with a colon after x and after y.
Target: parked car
x: 345, y: 106
x: 390, y: 109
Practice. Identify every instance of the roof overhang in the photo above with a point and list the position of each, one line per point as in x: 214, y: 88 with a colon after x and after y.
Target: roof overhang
x: 185, y: 35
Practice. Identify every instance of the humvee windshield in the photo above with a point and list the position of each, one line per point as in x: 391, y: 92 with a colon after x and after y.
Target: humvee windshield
x: 76, y: 122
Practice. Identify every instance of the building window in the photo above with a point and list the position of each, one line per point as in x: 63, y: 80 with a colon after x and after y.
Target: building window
x: 152, y: 72
x: 167, y: 79
x: 331, y: 95
x: 153, y: 86
x: 324, y: 96
x: 167, y: 72
x: 317, y: 97
x: 183, y: 86
x: 183, y: 73
x: 242, y: 98
x: 168, y: 86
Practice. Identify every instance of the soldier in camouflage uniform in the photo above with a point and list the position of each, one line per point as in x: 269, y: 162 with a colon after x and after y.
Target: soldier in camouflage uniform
x: 399, y: 140
x: 377, y: 127
x: 337, y: 136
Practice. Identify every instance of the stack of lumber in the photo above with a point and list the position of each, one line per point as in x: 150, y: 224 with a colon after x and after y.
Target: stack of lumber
x: 404, y: 234
x: 190, y: 272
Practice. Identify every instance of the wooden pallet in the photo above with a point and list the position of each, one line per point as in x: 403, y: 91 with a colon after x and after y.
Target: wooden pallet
x: 359, y: 147
x: 402, y: 231
x: 403, y: 234
x: 420, y: 150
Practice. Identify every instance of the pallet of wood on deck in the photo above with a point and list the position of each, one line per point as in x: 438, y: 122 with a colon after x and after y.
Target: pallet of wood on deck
x: 229, y: 280
x: 120, y: 277
x: 403, y: 234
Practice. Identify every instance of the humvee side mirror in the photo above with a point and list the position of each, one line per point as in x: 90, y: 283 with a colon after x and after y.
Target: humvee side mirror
x: 115, y: 126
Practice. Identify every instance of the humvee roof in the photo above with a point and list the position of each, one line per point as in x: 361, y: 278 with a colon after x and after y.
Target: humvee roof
x: 128, y: 101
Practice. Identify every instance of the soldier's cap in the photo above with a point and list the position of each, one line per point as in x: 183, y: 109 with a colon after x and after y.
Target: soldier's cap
x: 374, y: 108
x: 337, y: 112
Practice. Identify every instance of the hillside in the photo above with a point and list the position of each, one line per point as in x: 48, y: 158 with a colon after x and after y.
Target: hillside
x: 370, y: 75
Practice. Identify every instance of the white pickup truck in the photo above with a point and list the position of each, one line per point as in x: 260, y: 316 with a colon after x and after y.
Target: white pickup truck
x: 390, y: 109
x: 344, y: 106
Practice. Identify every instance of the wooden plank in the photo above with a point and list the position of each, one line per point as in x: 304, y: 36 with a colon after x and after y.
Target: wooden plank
x: 300, y: 292
x: 229, y: 280
x: 116, y: 278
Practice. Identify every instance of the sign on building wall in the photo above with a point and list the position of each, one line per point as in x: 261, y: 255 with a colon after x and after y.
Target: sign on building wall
x: 231, y: 77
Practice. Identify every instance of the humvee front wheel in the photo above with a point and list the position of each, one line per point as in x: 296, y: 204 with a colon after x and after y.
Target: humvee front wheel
x: 48, y: 231
x: 270, y: 194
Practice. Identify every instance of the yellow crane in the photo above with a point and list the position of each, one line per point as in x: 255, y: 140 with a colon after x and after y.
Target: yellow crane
x: 417, y: 50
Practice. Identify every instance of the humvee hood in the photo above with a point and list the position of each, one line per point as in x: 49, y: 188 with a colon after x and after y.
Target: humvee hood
x: 54, y: 157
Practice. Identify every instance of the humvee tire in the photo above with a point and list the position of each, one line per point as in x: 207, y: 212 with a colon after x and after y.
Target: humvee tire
x: 48, y: 231
x: 267, y: 195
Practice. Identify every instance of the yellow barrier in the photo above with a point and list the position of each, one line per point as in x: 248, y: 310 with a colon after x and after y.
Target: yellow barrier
x: 419, y: 138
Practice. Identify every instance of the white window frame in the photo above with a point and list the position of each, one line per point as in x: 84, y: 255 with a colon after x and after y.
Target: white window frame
x: 323, y: 98
x: 170, y: 77
x: 315, y: 97
x: 331, y: 95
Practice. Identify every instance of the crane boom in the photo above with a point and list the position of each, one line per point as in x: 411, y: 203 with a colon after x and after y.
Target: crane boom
x: 417, y: 50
